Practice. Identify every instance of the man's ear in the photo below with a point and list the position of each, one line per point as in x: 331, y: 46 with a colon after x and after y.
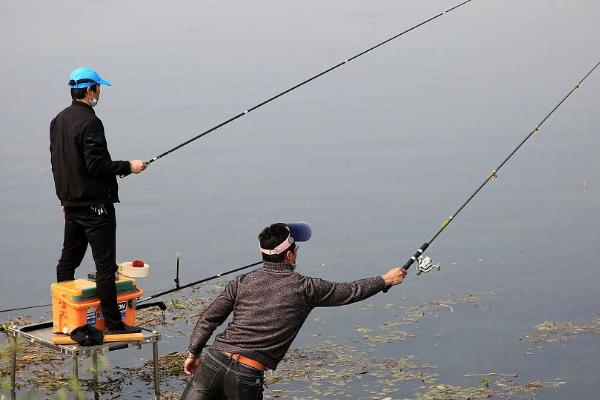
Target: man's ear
x: 288, y: 255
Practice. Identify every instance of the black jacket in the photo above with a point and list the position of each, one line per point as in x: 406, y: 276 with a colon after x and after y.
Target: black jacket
x: 84, y: 173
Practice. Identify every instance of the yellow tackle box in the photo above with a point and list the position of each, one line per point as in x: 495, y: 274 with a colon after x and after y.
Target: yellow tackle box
x: 76, y: 303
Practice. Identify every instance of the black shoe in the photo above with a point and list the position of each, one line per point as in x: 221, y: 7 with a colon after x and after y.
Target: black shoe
x: 123, y: 329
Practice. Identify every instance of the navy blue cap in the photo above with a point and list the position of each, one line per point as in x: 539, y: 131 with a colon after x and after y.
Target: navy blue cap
x: 300, y: 231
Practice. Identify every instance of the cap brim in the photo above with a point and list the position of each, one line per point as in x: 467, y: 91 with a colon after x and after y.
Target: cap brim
x: 300, y: 231
x: 103, y: 82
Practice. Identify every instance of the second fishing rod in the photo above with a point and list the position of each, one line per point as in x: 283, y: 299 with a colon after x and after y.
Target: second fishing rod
x: 304, y: 82
x: 424, y: 264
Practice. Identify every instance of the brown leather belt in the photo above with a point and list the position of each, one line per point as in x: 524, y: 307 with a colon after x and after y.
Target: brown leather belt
x: 245, y: 360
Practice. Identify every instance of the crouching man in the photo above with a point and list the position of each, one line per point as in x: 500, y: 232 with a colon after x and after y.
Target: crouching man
x: 269, y: 306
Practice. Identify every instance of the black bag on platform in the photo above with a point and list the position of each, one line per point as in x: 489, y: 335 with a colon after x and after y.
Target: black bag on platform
x: 87, y: 335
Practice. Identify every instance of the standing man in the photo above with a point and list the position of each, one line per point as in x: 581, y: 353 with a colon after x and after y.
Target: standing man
x: 86, y: 184
x: 269, y: 307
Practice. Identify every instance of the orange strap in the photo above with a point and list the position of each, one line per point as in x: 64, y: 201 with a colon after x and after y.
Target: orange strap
x: 245, y: 360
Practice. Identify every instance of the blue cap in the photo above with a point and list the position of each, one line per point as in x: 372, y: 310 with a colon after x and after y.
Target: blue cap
x: 300, y: 231
x: 85, y: 77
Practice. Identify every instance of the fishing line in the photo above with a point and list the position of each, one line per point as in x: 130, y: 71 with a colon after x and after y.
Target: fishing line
x: 425, y: 264
x: 303, y: 83
x: 24, y: 308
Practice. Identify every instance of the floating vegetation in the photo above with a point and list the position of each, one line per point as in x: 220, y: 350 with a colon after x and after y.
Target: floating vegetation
x: 370, y: 306
x: 438, y: 392
x: 331, y: 371
x: 501, y: 387
x: 351, y: 367
x: 335, y: 371
x: 389, y: 331
x: 388, y: 337
x: 16, y: 321
x: 41, y: 369
x: 170, y: 365
x: 32, y: 360
x: 433, y: 309
x: 550, y: 332
x: 187, y: 310
x: 168, y: 395
x: 183, y: 309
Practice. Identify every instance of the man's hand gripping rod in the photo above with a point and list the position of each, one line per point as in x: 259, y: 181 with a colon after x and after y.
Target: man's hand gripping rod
x: 411, y: 260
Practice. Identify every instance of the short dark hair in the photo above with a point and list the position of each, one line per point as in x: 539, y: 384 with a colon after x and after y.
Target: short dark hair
x: 271, y: 237
x: 79, y: 93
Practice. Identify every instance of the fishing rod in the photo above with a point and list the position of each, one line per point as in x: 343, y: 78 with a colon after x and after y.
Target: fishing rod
x: 210, y: 278
x: 425, y: 264
x: 177, y: 288
x: 303, y: 83
x: 24, y: 308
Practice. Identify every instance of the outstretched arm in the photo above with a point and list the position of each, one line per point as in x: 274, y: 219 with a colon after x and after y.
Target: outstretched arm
x: 322, y: 293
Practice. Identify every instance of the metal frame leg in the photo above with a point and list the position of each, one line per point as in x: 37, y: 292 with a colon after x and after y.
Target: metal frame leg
x: 156, y: 367
x: 75, y: 377
x: 95, y: 375
x: 13, y: 367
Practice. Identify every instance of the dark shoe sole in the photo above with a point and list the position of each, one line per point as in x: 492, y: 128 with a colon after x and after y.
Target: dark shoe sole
x: 123, y: 331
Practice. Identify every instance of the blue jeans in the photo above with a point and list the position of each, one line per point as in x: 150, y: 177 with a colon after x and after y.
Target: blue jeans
x: 220, y: 377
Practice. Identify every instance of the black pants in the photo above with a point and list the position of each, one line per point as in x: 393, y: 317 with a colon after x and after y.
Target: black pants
x: 221, y: 378
x: 96, y: 225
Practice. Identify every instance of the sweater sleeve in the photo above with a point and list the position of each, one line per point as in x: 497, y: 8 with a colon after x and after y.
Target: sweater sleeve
x: 97, y: 157
x: 216, y: 313
x: 322, y: 293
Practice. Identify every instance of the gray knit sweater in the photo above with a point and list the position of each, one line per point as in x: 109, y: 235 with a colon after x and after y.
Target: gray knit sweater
x: 269, y: 307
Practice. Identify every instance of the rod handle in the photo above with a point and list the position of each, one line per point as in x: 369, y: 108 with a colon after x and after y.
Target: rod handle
x: 410, y: 261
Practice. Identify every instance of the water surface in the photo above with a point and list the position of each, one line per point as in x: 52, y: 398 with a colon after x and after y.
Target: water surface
x: 375, y: 155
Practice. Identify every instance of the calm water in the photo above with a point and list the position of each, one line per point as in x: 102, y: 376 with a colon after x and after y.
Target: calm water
x: 375, y: 155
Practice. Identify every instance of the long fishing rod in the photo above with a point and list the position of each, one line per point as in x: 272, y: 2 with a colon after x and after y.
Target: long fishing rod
x: 425, y: 264
x: 303, y: 83
x: 210, y: 278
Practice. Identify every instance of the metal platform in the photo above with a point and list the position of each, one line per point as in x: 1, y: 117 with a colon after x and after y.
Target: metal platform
x: 42, y: 334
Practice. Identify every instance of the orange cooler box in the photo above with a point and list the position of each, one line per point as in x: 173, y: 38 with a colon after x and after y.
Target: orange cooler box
x: 76, y: 303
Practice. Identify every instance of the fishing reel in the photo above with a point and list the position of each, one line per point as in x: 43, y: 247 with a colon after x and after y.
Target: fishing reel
x: 426, y: 264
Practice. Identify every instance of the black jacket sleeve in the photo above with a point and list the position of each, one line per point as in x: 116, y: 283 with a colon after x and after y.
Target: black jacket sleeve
x: 97, y: 157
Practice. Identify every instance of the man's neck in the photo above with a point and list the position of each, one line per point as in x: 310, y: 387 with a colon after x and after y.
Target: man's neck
x: 84, y: 101
x: 279, y: 266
